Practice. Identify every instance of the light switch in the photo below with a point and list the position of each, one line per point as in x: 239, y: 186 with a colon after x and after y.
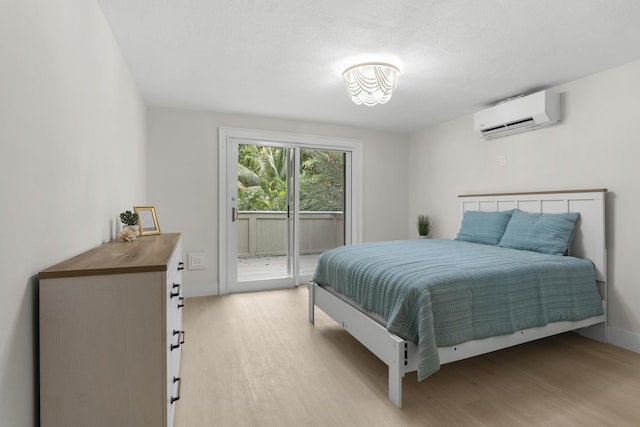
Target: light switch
x: 196, y: 261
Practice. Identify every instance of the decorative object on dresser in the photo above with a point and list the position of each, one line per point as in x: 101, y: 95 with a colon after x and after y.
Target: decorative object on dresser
x: 130, y: 230
x: 111, y: 335
x: 148, y: 220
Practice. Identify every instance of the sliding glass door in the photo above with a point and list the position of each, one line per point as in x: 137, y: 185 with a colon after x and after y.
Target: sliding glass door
x: 264, y: 221
x: 322, y: 206
x: 285, y: 203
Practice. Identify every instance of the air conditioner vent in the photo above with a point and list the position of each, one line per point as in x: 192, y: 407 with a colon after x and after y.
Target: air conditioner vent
x: 507, y: 126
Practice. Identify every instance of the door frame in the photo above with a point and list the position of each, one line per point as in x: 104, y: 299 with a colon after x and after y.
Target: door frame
x: 353, y: 192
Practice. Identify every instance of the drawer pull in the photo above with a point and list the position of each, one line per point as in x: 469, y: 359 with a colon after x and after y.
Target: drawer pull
x: 177, y: 397
x: 181, y: 302
x: 180, y: 266
x: 180, y: 340
x: 177, y: 293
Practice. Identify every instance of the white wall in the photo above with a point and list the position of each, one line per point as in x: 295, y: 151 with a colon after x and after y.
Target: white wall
x: 595, y: 146
x: 72, y: 143
x: 183, y: 179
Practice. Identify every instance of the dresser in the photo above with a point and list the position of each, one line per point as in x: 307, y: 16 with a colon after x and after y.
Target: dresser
x: 111, y: 335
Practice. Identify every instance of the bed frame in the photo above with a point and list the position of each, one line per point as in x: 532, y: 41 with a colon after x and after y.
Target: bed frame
x: 401, y: 355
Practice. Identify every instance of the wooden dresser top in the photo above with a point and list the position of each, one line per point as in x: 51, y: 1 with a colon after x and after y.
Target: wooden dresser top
x: 146, y: 253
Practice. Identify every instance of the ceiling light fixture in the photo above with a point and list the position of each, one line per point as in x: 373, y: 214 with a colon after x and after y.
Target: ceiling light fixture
x: 371, y: 83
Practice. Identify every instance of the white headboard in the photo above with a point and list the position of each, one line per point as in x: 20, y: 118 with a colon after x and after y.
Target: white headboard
x: 589, y: 240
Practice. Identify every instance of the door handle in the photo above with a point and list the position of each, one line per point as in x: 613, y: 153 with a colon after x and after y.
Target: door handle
x: 234, y: 214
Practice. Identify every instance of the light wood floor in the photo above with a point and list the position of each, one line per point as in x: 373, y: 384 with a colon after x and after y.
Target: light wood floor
x: 254, y: 360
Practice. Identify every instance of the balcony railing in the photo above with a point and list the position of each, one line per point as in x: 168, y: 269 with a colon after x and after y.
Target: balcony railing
x: 264, y: 233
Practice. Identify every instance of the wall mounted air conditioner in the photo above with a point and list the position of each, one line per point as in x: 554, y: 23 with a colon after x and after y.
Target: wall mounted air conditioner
x: 518, y: 115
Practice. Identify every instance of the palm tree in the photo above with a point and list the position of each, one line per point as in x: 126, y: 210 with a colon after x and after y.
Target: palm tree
x: 262, y: 175
x: 322, y: 182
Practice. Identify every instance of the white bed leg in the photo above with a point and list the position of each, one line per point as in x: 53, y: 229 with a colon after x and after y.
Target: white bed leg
x: 395, y: 375
x: 311, y: 287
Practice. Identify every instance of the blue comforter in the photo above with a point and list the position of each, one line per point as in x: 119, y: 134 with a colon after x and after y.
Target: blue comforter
x: 440, y: 293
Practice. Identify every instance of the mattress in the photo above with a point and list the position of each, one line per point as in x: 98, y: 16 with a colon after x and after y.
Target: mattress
x: 440, y: 293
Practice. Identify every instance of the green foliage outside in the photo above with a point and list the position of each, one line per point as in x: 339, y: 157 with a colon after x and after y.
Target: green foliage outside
x: 262, y: 173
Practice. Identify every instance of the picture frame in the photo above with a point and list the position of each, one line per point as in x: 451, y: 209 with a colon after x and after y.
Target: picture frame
x: 148, y: 220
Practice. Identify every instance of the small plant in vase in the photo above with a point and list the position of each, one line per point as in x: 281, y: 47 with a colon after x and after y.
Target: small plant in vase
x: 130, y: 231
x: 424, y: 226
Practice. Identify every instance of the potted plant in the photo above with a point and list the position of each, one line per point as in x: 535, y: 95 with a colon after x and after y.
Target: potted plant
x: 424, y: 226
x: 130, y: 229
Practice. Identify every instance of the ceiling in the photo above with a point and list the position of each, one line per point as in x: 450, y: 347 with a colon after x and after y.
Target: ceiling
x: 285, y: 58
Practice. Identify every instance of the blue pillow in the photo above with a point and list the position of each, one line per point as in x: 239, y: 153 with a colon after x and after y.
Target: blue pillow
x: 539, y: 232
x: 483, y: 227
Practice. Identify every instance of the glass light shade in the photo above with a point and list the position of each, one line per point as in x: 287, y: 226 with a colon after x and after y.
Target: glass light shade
x: 371, y: 83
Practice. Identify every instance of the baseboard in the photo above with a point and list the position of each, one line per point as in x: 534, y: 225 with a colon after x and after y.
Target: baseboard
x: 625, y: 339
x: 200, y: 290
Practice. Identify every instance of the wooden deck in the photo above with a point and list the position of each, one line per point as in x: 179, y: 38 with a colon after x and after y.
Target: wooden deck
x: 273, y: 267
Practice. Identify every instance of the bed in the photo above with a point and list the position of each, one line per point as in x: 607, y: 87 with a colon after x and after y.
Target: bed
x: 416, y: 320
